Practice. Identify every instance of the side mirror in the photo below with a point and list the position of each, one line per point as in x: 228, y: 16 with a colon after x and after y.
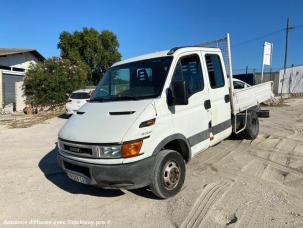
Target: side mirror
x: 180, y: 93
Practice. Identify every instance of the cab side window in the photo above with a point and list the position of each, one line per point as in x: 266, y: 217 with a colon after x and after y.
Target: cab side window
x: 189, y: 70
x: 215, y: 71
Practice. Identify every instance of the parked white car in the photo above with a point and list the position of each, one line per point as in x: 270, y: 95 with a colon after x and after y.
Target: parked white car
x: 76, y: 100
x: 151, y: 114
x: 239, y: 84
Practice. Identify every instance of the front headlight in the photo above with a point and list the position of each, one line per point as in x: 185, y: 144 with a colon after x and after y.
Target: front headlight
x: 125, y: 150
x: 109, y: 151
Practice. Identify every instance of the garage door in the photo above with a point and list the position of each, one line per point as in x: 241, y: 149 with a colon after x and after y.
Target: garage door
x: 9, y: 87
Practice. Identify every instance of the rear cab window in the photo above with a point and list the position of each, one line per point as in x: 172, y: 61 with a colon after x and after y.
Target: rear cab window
x: 215, y: 71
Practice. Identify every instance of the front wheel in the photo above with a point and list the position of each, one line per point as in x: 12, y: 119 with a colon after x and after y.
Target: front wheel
x: 168, y: 174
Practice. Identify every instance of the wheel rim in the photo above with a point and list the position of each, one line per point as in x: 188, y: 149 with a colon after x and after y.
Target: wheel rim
x: 171, y: 175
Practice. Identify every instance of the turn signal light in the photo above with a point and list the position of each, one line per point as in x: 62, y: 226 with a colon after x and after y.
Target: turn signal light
x: 147, y: 123
x: 131, y: 149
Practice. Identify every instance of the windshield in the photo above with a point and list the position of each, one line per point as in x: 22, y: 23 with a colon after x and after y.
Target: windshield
x: 132, y: 81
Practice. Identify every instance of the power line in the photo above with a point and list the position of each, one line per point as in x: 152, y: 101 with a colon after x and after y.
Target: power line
x: 258, y: 38
x: 266, y: 35
x: 298, y: 26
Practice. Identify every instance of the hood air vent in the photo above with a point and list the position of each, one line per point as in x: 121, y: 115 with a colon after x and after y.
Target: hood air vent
x: 121, y: 113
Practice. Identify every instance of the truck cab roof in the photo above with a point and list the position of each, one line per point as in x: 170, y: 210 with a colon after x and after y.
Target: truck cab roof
x: 172, y: 52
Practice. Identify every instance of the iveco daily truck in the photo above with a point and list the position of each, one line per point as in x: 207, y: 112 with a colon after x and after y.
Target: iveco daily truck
x: 150, y: 115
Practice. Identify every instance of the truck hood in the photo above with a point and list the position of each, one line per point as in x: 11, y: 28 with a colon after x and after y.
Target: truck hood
x: 105, y: 122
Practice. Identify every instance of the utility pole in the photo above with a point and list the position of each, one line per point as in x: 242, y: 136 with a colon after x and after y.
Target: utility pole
x: 288, y: 28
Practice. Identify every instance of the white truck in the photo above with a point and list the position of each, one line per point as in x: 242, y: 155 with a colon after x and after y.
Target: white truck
x: 150, y: 115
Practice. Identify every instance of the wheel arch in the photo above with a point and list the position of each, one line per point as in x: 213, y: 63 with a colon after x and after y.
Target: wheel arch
x: 177, y: 142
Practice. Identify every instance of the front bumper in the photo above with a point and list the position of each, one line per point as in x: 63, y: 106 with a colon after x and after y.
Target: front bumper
x: 128, y: 176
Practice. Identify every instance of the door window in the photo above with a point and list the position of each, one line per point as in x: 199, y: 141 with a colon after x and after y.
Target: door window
x: 189, y: 69
x: 215, y: 72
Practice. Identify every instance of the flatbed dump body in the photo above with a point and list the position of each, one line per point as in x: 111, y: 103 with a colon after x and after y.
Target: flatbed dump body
x: 251, y: 96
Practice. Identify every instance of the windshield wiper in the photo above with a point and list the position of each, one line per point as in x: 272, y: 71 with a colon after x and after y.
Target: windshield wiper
x: 115, y: 98
x: 97, y: 99
x: 125, y: 98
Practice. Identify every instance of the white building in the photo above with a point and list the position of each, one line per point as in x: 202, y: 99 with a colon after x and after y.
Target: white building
x: 13, y: 64
x: 292, y: 81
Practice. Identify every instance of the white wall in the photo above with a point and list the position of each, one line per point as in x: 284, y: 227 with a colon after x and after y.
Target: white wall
x: 29, y: 59
x: 9, y: 90
x: 293, y: 80
x: 20, y: 97
x: 18, y: 60
x: 1, y: 90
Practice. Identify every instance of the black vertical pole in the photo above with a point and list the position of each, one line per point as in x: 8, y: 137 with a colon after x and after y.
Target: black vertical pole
x: 286, y: 53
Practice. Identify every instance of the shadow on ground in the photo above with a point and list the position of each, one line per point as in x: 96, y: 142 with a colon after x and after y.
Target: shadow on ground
x: 235, y: 137
x: 48, y: 165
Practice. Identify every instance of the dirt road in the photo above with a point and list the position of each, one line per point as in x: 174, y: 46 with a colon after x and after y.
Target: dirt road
x: 234, y: 184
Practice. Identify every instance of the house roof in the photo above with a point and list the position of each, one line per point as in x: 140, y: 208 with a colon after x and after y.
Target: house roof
x: 12, y: 51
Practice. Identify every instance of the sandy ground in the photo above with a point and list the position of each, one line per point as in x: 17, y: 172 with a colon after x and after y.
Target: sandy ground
x: 234, y: 184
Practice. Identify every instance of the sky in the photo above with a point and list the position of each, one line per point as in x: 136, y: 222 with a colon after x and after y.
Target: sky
x: 148, y: 26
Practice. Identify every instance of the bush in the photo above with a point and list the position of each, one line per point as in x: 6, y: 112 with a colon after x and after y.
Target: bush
x: 48, y: 83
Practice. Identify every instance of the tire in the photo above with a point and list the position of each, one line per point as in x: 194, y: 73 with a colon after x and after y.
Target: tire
x: 168, y: 174
x: 252, y: 128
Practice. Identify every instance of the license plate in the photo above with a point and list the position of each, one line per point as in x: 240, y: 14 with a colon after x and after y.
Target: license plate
x: 78, y: 178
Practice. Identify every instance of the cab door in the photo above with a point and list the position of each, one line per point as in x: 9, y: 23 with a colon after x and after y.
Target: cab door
x: 192, y: 120
x: 219, y: 98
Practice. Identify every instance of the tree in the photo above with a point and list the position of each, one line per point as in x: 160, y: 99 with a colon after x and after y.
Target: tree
x: 98, y: 50
x: 47, y: 83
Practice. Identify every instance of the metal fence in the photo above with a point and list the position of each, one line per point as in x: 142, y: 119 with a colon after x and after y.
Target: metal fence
x: 254, y: 70
x: 223, y: 46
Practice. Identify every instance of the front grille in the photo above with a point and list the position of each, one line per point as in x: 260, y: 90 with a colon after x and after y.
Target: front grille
x: 78, y: 150
x: 77, y: 168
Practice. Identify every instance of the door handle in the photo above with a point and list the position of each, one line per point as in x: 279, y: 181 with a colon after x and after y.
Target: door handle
x: 207, y: 104
x: 227, y: 98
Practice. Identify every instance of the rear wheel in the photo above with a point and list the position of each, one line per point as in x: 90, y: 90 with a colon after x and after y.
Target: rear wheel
x: 168, y: 174
x: 252, y: 127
